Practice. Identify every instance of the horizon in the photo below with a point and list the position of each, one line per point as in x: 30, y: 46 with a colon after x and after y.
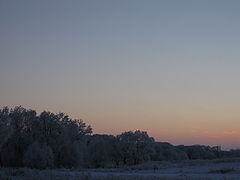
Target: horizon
x: 166, y: 67
x: 194, y: 142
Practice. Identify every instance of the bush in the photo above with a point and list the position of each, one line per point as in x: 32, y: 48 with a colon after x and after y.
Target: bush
x: 38, y: 156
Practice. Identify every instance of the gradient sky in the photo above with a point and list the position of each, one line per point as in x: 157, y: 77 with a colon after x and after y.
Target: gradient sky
x: 169, y: 67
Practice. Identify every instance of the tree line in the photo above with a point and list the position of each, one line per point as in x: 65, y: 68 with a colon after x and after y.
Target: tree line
x: 54, y: 140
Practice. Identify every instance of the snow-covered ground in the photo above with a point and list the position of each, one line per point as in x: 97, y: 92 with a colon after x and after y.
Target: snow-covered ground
x: 179, y: 170
x: 183, y: 170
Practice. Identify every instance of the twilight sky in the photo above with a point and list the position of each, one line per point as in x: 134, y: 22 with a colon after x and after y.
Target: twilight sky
x: 169, y: 67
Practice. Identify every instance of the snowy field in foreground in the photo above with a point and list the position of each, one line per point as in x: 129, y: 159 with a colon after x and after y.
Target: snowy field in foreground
x: 196, y: 170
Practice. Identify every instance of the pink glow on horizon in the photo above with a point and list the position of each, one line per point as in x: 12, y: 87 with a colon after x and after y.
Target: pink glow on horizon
x: 230, y: 132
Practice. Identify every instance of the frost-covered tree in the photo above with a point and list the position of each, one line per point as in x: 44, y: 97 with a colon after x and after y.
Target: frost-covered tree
x: 5, y: 128
x: 20, y: 127
x: 102, y: 151
x: 39, y: 156
x: 135, y: 147
x: 19, y: 137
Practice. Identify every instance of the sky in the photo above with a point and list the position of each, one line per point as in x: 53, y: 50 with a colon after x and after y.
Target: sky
x: 167, y: 67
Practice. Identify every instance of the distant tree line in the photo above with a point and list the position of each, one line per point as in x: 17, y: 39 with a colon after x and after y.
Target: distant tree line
x: 50, y: 140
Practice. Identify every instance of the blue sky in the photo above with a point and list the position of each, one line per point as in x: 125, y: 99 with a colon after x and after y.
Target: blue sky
x: 168, y: 67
